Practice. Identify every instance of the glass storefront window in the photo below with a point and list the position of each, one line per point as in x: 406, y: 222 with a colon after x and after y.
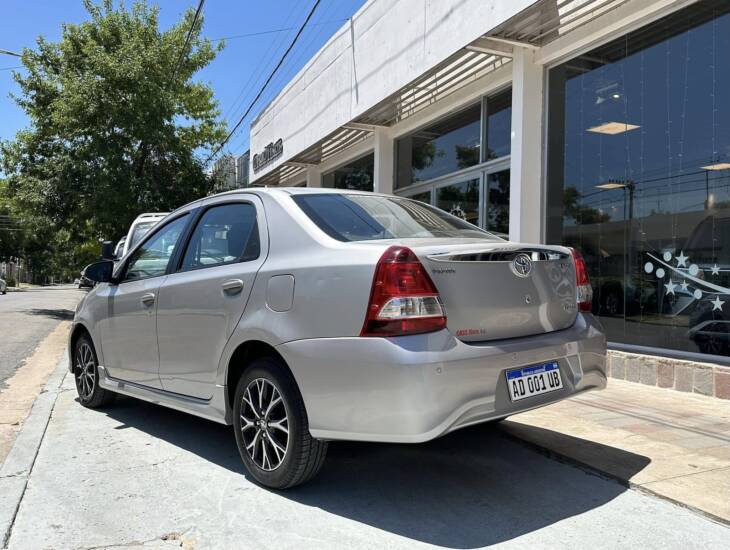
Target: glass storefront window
x: 639, y: 178
x: 357, y: 175
x: 447, y: 146
x: 498, y: 202
x: 498, y: 126
x: 460, y: 199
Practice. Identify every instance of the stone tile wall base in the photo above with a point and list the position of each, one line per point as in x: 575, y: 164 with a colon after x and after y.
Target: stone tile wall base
x: 687, y: 376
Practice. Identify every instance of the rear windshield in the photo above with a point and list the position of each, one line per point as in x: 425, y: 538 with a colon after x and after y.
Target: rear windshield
x: 352, y: 217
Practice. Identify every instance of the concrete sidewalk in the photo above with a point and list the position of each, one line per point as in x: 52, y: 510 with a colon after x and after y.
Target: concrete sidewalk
x: 672, y: 444
x: 139, y: 476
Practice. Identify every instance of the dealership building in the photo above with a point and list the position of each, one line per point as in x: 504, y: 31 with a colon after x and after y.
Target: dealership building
x: 598, y: 124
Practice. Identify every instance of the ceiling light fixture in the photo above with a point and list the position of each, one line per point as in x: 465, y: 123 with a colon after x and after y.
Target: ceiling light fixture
x: 613, y: 128
x: 717, y: 166
x: 611, y: 185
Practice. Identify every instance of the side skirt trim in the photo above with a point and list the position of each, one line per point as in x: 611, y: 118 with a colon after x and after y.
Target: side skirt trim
x: 210, y: 409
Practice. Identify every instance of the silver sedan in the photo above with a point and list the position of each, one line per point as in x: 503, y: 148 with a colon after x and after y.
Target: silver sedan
x: 302, y: 316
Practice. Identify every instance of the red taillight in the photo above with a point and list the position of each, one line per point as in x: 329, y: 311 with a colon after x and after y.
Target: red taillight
x: 584, y: 288
x: 403, y: 299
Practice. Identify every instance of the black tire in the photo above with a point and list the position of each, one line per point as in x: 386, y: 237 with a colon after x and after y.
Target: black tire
x: 303, y: 455
x: 91, y: 395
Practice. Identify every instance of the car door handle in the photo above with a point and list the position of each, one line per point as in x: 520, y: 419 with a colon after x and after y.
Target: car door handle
x: 148, y: 299
x: 233, y: 286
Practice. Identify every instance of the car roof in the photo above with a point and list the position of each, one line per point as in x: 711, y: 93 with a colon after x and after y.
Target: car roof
x: 278, y: 191
x: 298, y: 191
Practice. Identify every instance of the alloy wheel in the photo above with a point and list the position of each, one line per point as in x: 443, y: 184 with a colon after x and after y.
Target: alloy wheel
x: 264, y: 424
x: 85, y: 371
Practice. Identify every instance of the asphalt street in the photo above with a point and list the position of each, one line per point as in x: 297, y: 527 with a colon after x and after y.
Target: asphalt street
x: 27, y: 317
x: 136, y: 475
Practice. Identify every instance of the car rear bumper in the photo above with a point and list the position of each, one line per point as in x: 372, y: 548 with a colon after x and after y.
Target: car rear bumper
x: 416, y: 388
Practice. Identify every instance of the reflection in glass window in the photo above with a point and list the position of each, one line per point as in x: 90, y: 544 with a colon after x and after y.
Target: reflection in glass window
x: 151, y: 259
x: 447, y: 146
x: 357, y: 175
x: 498, y: 202
x: 423, y: 197
x: 639, y: 178
x: 460, y: 200
x: 499, y: 126
x: 362, y: 217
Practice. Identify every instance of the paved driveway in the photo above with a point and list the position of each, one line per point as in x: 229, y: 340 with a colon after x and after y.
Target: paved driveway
x: 29, y: 316
x: 142, y: 476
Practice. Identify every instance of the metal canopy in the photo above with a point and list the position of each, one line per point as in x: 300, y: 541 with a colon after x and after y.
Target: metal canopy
x: 547, y: 20
x: 537, y: 25
x: 335, y: 143
x: 447, y: 77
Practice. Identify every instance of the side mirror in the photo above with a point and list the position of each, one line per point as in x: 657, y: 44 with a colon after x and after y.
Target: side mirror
x: 107, y: 250
x: 100, y: 272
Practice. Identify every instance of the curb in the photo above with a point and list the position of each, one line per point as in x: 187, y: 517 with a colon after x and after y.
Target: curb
x: 16, y: 469
x: 590, y: 469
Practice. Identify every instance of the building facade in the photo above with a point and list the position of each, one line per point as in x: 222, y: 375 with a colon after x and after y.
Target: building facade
x: 242, y: 163
x: 224, y: 173
x: 599, y: 124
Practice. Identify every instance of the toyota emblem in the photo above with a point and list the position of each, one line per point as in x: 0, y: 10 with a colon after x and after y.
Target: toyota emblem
x: 522, y: 265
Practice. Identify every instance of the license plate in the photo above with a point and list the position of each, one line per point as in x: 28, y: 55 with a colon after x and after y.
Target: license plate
x: 534, y: 380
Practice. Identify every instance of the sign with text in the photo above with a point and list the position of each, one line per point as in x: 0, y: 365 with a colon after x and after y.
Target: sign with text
x: 270, y: 153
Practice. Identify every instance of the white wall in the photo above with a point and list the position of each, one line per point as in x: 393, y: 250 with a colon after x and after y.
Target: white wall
x: 387, y: 44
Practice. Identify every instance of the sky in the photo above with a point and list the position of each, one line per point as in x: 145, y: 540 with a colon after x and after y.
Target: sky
x: 235, y: 75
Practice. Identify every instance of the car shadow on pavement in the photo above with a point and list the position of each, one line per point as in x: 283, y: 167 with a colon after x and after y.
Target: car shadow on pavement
x: 211, y: 441
x: 60, y: 314
x: 472, y: 488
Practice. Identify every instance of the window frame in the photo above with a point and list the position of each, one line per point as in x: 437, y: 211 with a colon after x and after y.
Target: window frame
x: 345, y: 163
x: 483, y: 101
x: 152, y: 234
x: 200, y: 212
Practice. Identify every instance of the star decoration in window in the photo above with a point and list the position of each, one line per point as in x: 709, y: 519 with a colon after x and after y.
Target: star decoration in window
x: 682, y: 259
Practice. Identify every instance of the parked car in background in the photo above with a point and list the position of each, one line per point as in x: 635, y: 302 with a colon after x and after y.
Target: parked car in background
x: 84, y: 281
x: 119, y: 248
x: 302, y: 316
x: 139, y: 228
x: 3, y: 287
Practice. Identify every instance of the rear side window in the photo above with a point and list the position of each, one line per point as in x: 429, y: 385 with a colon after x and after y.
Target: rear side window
x: 224, y: 234
x: 351, y: 217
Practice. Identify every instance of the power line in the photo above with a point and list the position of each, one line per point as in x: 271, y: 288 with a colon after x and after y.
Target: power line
x: 8, y: 52
x: 187, y: 38
x: 290, y: 68
x: 261, y: 91
x: 11, y: 68
x: 261, y: 68
x: 272, y: 31
x: 142, y: 144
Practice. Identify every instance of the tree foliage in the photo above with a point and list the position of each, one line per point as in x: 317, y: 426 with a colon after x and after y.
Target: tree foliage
x: 115, y: 122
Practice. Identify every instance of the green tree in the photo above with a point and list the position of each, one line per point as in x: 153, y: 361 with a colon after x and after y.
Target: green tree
x: 580, y: 213
x: 115, y: 123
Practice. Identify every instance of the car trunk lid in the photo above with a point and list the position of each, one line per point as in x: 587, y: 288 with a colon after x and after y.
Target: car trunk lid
x: 502, y: 290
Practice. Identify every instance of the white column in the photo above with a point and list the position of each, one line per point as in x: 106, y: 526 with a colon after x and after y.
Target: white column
x: 384, y: 161
x: 526, y: 189
x: 314, y: 178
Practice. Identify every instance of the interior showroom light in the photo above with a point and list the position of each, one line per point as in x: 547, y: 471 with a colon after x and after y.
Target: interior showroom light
x: 717, y: 166
x: 613, y: 128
